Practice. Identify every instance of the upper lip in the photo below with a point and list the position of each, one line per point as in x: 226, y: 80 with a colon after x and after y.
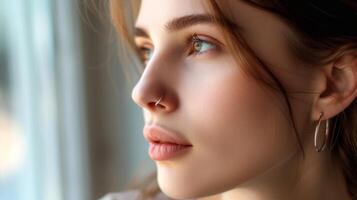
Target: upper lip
x: 158, y: 134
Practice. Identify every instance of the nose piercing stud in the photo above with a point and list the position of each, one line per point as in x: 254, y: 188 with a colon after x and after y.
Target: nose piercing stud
x: 157, y: 103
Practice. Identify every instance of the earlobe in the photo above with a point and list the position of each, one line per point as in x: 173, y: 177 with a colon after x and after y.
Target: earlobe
x: 340, y: 88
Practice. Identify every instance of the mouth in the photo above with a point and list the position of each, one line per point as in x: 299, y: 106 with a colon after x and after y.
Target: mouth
x: 164, y: 144
x: 159, y: 135
x: 166, y: 151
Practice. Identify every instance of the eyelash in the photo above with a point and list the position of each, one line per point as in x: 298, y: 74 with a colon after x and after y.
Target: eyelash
x: 192, y: 40
x: 195, y: 39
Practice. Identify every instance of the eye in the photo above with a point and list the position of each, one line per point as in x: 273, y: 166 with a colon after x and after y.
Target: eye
x: 145, y: 53
x: 200, y: 46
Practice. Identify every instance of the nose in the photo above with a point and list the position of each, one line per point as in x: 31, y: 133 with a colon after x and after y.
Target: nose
x: 154, y: 96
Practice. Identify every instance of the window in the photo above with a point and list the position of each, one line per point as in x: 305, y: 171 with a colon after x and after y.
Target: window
x: 42, y: 131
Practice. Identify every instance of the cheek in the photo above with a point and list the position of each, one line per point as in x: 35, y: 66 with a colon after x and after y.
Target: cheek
x: 237, y: 131
x: 235, y: 107
x: 239, y: 121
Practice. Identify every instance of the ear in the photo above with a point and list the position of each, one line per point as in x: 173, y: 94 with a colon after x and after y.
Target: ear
x: 340, y: 87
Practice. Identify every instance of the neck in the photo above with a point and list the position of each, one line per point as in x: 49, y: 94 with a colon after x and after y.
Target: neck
x: 311, y: 178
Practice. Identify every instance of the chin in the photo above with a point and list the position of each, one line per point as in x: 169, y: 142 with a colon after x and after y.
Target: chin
x: 187, y: 190
x: 174, y: 191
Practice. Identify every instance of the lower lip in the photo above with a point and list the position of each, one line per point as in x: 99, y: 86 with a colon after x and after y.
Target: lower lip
x: 165, y: 151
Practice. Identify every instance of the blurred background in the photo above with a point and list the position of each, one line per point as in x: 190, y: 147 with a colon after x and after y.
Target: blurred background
x: 68, y: 127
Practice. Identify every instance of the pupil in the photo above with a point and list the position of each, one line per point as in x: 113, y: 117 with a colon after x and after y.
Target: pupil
x: 197, y: 45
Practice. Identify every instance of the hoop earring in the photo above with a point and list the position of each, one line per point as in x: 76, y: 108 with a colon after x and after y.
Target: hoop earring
x: 317, y: 129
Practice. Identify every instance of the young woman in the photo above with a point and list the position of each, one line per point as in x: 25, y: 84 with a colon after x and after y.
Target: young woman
x: 247, y: 99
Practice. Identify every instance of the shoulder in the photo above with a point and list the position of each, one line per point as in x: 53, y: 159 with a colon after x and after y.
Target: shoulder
x: 131, y: 195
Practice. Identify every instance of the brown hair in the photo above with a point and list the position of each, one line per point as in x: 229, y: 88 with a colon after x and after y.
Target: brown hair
x: 326, y: 30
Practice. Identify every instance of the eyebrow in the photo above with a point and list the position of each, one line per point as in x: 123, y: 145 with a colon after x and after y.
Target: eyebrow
x: 180, y: 23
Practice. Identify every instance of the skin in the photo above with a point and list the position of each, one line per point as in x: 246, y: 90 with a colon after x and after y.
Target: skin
x: 243, y: 145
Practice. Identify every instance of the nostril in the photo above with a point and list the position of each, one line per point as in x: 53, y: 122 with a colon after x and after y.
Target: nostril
x: 161, y: 106
x: 153, y: 105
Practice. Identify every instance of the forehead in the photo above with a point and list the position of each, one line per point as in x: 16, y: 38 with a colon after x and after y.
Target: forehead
x: 157, y: 12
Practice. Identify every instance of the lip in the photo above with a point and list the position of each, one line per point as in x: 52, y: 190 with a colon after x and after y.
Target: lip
x: 157, y: 134
x: 164, y: 144
x: 166, y: 151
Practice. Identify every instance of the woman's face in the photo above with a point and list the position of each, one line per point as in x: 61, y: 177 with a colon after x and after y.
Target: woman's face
x: 238, y: 128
